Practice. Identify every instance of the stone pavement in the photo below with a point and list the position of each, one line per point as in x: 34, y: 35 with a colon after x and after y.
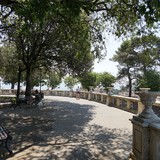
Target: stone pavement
x: 69, y: 129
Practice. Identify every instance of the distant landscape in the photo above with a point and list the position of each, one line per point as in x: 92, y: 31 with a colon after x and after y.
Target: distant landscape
x: 60, y: 87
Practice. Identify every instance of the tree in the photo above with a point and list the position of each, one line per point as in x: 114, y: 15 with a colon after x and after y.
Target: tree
x: 65, y: 17
x: 55, y: 44
x: 138, y: 14
x: 89, y: 79
x: 54, y: 80
x: 126, y: 58
x: 9, y: 64
x: 136, y: 56
x: 151, y: 79
x: 147, y: 50
x: 70, y: 82
x: 106, y: 79
x: 94, y: 79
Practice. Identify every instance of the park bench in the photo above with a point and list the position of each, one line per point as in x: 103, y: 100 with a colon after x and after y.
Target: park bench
x: 31, y: 102
x: 19, y: 102
x: 5, y: 137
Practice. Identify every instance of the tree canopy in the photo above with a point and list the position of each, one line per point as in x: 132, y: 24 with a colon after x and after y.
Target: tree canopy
x: 55, y: 42
x: 70, y: 81
x: 9, y: 64
x: 94, y: 79
x: 68, y: 35
x: 106, y: 80
x: 138, y: 14
x: 89, y: 79
x: 151, y: 79
x: 137, y: 56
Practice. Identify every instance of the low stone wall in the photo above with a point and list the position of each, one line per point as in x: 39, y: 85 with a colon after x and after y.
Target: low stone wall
x: 126, y: 103
x: 4, y: 99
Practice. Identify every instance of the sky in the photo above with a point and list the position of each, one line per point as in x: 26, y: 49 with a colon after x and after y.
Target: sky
x: 112, y: 44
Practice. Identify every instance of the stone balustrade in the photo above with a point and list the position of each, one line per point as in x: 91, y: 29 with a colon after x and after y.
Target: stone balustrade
x: 126, y: 103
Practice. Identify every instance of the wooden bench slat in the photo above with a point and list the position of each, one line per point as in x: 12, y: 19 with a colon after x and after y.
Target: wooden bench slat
x: 4, y: 137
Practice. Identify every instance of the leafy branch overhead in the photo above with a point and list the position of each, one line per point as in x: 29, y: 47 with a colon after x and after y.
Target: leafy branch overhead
x: 138, y: 14
x: 67, y: 36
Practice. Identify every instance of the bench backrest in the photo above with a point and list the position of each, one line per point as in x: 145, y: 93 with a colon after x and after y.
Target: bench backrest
x: 3, y: 134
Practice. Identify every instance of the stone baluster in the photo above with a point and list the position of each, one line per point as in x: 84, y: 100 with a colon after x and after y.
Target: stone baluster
x: 118, y: 102
x: 90, y: 93
x: 71, y: 93
x: 102, y: 96
x: 96, y: 97
x: 108, y: 100
x: 129, y: 104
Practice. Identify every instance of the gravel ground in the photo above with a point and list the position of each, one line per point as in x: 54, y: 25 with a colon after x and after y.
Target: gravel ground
x: 68, y: 129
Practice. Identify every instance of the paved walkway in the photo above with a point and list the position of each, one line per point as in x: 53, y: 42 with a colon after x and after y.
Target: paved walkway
x: 69, y: 129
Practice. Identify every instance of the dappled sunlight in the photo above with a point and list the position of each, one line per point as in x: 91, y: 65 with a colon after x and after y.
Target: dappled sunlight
x: 62, y: 130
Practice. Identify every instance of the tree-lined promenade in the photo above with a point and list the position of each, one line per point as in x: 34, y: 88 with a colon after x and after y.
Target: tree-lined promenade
x: 42, y: 42
x: 48, y: 125
x: 66, y: 128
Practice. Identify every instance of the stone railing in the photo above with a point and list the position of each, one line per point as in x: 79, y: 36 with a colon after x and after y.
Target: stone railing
x: 8, y: 91
x: 126, y: 103
x: 4, y: 99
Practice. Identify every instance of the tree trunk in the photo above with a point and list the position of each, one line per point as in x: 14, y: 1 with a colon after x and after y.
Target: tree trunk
x: 130, y: 82
x: 28, y: 82
x: 130, y: 87
x: 19, y: 80
x: 12, y: 85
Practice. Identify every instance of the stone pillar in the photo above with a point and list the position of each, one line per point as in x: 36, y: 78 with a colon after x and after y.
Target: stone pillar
x: 70, y: 93
x: 155, y: 141
x: 118, y: 102
x: 96, y: 97
x: 142, y: 135
x: 108, y: 100
x: 90, y: 92
x: 140, y: 145
x: 102, y: 98
x: 128, y: 104
x: 89, y: 95
x: 48, y: 92
x: 85, y: 95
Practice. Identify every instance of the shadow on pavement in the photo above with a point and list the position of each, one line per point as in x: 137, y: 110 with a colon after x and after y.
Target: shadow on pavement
x: 60, y: 130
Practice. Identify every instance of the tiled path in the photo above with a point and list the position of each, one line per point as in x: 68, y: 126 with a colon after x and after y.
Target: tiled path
x: 69, y: 129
